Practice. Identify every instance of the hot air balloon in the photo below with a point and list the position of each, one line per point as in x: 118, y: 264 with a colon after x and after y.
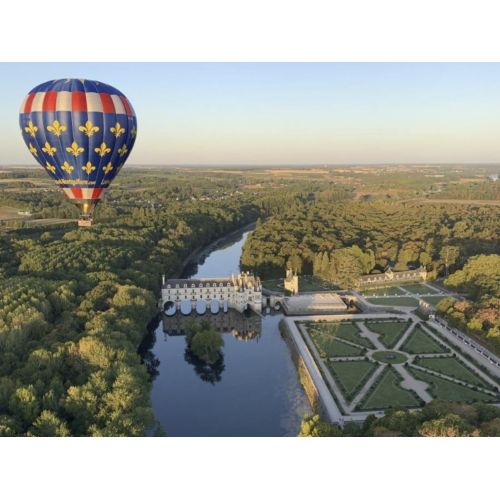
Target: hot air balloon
x: 81, y: 132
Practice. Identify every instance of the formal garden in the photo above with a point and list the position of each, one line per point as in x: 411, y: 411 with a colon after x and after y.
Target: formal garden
x: 407, y: 295
x: 380, y: 363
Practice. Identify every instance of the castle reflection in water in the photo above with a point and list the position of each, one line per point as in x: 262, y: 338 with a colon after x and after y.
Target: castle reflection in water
x: 242, y: 326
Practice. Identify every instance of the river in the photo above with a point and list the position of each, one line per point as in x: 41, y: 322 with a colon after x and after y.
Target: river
x: 254, y: 391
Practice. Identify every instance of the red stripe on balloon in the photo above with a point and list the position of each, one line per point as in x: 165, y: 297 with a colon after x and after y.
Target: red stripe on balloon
x: 49, y: 101
x: 96, y: 193
x: 29, y: 102
x: 78, y: 101
x: 126, y: 105
x: 107, y: 103
x: 77, y: 192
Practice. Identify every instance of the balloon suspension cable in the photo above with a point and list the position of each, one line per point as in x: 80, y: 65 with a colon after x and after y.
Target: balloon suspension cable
x: 86, y: 209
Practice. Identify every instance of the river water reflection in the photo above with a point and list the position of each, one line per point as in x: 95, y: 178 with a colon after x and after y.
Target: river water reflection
x: 253, y: 391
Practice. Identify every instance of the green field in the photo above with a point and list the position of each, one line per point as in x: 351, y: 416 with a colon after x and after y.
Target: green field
x: 453, y: 368
x: 419, y: 288
x: 420, y: 342
x: 328, y: 346
x: 389, y: 331
x: 315, y: 284
x: 435, y: 299
x: 389, y: 393
x: 346, y: 331
x: 395, y: 301
x: 274, y: 285
x: 351, y: 375
x: 388, y: 290
x: 392, y: 357
x: 450, y: 391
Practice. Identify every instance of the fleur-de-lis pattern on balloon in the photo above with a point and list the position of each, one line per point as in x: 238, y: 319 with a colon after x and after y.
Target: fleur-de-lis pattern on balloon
x: 88, y: 129
x: 33, y: 150
x: 107, y: 168
x: 123, y: 150
x: 102, y: 150
x: 48, y: 149
x: 74, y: 149
x: 50, y: 168
x: 117, y: 130
x: 133, y: 132
x: 56, y: 128
x: 67, y: 167
x: 88, y: 168
x: 31, y: 129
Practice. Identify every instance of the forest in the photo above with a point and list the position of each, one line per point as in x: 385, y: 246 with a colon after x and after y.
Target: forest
x: 75, y: 304
x: 479, y: 314
x: 340, y: 241
x: 436, y: 419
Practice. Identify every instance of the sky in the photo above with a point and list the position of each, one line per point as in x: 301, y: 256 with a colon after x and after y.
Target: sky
x: 286, y: 113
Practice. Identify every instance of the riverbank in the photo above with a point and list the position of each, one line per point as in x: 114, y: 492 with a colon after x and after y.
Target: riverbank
x: 203, y: 251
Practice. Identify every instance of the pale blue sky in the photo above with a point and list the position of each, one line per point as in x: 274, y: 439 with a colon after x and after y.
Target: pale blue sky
x: 273, y: 113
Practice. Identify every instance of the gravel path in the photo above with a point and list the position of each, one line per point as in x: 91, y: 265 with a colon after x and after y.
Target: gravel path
x: 411, y: 383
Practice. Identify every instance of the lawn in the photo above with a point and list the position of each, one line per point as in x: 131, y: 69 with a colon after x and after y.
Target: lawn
x: 388, y: 290
x: 315, y: 284
x: 328, y: 346
x: 420, y: 342
x: 450, y: 391
x: 346, y: 331
x: 453, y: 368
x: 351, y: 375
x: 421, y: 289
x: 389, y: 393
x: 435, y: 299
x: 390, y: 331
x: 395, y: 301
x: 274, y: 285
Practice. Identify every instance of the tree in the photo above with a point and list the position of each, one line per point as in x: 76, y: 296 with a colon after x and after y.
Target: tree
x: 449, y: 255
x: 207, y: 345
x: 48, y: 424
x: 491, y: 428
x: 313, y: 426
x: 448, y: 426
x: 24, y: 404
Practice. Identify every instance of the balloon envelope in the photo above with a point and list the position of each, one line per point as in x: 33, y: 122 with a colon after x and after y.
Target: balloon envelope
x: 81, y: 132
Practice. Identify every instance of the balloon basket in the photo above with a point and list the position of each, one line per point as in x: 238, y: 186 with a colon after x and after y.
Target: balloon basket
x: 85, y: 223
